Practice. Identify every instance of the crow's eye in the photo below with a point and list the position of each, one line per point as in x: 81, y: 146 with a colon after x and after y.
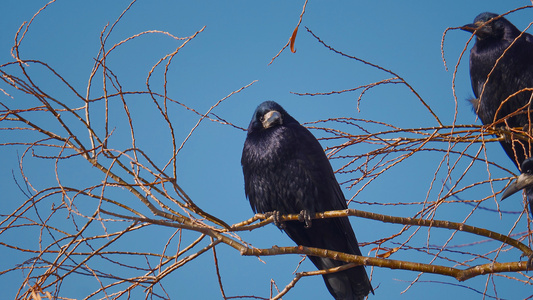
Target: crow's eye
x: 528, y: 171
x: 262, y: 118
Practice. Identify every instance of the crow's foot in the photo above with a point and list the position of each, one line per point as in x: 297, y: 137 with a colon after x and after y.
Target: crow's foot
x: 505, y: 133
x: 276, y: 215
x: 305, y: 216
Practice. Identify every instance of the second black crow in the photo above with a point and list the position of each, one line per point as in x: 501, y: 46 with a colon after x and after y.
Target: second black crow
x: 286, y: 171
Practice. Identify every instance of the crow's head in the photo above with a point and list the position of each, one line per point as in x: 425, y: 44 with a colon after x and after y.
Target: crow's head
x: 269, y: 115
x: 489, y: 26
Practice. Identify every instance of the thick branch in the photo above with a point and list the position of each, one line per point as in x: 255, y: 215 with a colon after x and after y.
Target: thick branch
x: 390, y: 219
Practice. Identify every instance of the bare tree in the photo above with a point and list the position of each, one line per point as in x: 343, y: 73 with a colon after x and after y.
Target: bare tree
x: 84, y: 230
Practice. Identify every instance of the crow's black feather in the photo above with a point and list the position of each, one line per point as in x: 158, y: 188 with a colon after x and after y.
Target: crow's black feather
x: 285, y: 169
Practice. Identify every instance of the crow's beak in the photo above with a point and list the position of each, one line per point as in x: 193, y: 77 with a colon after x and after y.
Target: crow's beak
x: 272, y: 118
x: 481, y: 31
x: 469, y: 27
x: 523, y: 181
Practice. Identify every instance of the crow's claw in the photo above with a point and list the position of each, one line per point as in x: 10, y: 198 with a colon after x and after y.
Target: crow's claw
x: 276, y: 215
x: 305, y: 216
x: 506, y: 133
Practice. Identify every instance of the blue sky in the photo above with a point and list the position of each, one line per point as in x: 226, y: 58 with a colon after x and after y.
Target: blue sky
x: 239, y: 40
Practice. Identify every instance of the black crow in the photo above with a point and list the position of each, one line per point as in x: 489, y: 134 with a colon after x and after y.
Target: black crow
x: 286, y: 172
x: 505, y: 53
x: 501, y: 65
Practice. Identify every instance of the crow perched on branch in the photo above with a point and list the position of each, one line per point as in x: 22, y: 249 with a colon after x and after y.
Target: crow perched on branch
x: 286, y: 172
x: 501, y: 67
x: 501, y: 64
